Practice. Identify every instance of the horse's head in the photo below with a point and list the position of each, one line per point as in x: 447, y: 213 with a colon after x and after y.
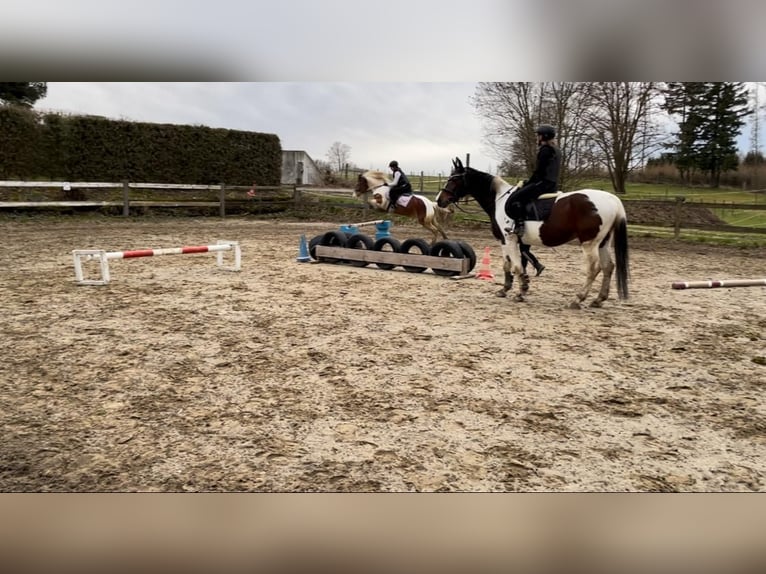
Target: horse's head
x: 455, y: 187
x: 362, y: 186
x: 369, y: 181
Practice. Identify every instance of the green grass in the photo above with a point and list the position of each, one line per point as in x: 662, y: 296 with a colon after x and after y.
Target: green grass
x: 669, y: 191
x: 701, y: 236
x: 742, y: 217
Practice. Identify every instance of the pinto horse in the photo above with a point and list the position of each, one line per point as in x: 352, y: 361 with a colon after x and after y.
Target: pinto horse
x: 373, y: 187
x: 593, y: 217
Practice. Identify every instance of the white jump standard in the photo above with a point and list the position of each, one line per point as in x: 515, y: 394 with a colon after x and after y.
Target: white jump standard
x: 103, y: 257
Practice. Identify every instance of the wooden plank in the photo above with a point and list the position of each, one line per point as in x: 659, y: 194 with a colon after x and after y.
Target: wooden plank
x: 174, y: 204
x: 11, y: 204
x: 402, y: 259
x: 173, y: 186
x: 72, y: 184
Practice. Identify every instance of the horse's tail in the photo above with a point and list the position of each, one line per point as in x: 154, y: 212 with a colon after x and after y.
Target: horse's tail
x: 621, y: 255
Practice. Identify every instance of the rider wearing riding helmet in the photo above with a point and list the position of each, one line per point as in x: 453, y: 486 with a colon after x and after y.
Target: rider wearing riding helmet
x: 543, y: 180
x: 398, y: 187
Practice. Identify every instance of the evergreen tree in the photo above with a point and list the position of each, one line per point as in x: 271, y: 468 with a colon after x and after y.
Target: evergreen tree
x: 722, y: 110
x: 709, y: 117
x: 22, y: 93
x: 682, y: 99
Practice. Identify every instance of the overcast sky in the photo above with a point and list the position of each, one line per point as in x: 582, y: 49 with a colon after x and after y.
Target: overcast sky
x: 312, y: 71
x: 421, y: 125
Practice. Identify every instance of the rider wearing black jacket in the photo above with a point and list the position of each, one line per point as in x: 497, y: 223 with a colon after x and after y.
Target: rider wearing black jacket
x: 399, y: 187
x: 543, y: 180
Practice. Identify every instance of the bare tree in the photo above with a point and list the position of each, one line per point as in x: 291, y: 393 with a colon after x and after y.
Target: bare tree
x: 512, y: 110
x: 338, y: 154
x: 620, y: 117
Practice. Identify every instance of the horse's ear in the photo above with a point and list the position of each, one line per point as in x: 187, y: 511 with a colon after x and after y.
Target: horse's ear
x: 459, y: 163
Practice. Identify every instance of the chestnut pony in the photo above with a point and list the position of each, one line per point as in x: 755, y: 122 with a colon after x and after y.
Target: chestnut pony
x: 595, y: 218
x: 372, y: 186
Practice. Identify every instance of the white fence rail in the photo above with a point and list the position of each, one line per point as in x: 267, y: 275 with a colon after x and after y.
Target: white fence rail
x: 127, y: 202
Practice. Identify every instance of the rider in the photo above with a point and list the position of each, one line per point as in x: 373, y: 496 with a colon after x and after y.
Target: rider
x: 543, y: 180
x: 399, y: 186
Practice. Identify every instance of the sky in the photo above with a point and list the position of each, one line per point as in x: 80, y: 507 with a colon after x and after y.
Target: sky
x: 422, y: 125
x: 392, y: 79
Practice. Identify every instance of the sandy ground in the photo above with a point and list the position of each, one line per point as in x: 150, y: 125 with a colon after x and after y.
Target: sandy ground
x: 293, y: 376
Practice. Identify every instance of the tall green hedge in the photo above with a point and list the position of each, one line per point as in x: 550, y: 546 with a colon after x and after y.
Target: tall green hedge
x: 86, y: 148
x: 19, y: 134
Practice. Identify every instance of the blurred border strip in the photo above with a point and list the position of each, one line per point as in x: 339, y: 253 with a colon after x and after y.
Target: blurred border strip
x: 385, y: 532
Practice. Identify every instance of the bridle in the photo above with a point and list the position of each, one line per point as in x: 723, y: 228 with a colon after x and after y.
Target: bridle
x: 456, y: 196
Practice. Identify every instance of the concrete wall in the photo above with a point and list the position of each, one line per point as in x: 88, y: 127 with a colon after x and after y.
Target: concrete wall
x: 293, y: 161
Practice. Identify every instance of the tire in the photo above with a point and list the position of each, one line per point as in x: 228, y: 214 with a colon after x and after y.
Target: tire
x: 380, y: 245
x: 469, y: 253
x: 420, y: 245
x: 446, y: 249
x: 317, y: 240
x: 360, y: 241
x: 333, y: 239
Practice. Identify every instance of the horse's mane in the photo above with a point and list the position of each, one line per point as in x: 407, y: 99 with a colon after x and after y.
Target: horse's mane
x: 375, y: 174
x: 487, y: 179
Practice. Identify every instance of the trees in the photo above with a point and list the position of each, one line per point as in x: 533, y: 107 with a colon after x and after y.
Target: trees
x: 22, y: 93
x: 597, y: 123
x: 339, y: 154
x: 709, y: 117
x: 722, y: 110
x: 620, y: 115
x: 512, y: 111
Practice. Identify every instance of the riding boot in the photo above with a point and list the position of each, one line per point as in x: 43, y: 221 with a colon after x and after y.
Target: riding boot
x: 539, y: 269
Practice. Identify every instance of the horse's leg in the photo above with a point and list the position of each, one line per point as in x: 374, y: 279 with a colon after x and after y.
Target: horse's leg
x: 607, y: 267
x: 430, y: 225
x: 512, y: 268
x: 440, y: 229
x: 591, y: 268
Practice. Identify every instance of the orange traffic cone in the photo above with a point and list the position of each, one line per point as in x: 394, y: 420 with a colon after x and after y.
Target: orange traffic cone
x: 485, y: 272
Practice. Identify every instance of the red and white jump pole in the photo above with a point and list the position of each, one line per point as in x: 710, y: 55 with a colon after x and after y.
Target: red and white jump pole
x: 718, y: 283
x: 103, y: 257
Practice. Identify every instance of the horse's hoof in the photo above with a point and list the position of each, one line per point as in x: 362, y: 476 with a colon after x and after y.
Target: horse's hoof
x: 501, y: 293
x: 595, y: 303
x: 574, y: 305
x: 519, y: 298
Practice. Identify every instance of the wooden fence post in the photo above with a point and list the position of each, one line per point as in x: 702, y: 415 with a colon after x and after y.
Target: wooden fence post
x: 421, y: 182
x: 222, y: 201
x: 677, y: 216
x: 296, y: 197
x: 125, y: 199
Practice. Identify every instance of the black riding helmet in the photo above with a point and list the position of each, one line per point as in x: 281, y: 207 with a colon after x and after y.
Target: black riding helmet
x: 548, y: 132
x: 393, y: 163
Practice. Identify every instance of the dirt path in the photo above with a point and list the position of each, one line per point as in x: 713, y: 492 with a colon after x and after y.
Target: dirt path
x: 309, y: 377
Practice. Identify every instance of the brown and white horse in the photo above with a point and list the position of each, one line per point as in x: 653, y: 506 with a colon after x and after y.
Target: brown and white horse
x: 593, y: 217
x: 373, y: 187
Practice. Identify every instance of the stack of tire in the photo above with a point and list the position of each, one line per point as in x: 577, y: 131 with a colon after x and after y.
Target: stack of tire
x: 448, y: 248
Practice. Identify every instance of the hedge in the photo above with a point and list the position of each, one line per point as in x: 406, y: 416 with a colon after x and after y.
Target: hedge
x: 87, y: 148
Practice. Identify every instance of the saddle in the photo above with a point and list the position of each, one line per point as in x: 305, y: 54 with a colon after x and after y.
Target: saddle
x: 537, y: 210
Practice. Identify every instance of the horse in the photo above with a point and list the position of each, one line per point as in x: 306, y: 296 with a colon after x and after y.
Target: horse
x: 374, y: 187
x: 593, y: 217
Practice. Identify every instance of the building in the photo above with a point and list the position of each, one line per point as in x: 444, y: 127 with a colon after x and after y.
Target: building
x: 298, y: 167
